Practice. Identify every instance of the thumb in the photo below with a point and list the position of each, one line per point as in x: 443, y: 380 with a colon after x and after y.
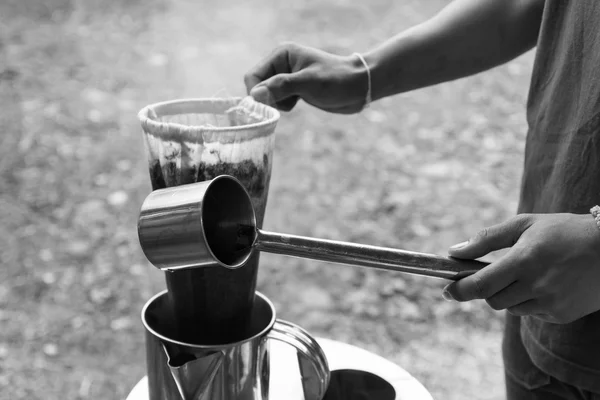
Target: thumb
x: 278, y: 88
x: 493, y: 238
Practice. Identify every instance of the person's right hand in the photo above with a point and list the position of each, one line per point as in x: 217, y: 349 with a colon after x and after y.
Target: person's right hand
x: 333, y: 83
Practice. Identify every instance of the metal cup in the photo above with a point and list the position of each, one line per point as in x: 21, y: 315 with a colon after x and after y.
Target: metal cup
x: 192, y: 225
x: 233, y: 371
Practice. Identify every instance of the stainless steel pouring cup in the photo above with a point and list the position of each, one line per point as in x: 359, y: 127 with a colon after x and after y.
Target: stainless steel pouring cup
x: 235, y: 371
x: 207, y: 224
x: 184, y: 226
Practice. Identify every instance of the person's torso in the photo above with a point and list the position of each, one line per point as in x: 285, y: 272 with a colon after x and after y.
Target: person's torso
x: 562, y: 166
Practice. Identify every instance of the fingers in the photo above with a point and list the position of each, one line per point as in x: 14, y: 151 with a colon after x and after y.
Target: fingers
x: 281, y: 61
x: 292, y: 72
x: 512, y: 295
x: 486, y: 282
x: 287, y: 104
x: 281, y: 86
x: 262, y: 94
x: 494, y: 238
x: 517, y: 299
x: 275, y: 63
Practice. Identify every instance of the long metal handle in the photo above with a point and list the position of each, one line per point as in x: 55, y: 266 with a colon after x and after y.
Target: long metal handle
x: 366, y: 256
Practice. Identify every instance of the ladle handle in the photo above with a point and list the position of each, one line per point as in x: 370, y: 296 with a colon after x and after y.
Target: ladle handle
x: 366, y: 256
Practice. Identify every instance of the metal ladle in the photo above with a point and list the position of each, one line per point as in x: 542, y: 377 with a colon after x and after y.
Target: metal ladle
x: 212, y: 223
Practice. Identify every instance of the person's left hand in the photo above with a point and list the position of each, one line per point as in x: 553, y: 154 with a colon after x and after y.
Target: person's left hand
x: 552, y: 270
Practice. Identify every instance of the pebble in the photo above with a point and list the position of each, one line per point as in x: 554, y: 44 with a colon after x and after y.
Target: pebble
x: 49, y: 278
x: 436, y: 170
x: 120, y: 324
x: 50, y: 349
x: 46, y: 255
x: 100, y: 295
x: 410, y: 311
x: 138, y: 270
x: 118, y: 198
x: 123, y: 251
x: 315, y: 297
x: 376, y: 116
x: 79, y: 248
x: 124, y: 165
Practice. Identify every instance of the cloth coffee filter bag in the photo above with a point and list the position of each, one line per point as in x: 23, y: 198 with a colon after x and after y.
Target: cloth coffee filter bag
x: 193, y: 140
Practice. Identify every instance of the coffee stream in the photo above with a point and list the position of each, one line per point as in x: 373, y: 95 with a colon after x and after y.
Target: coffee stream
x: 212, y: 305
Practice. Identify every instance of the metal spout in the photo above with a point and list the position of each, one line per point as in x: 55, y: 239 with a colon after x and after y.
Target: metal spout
x: 192, y: 374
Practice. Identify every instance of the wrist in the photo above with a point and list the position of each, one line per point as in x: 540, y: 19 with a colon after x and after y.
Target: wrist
x: 373, y: 60
x: 590, y: 226
x: 360, y: 80
x: 592, y: 223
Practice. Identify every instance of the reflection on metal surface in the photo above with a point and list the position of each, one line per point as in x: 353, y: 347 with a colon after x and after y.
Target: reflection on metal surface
x: 234, y: 371
x: 284, y: 383
x: 349, y: 384
x: 186, y: 226
x: 193, y: 376
x: 314, y: 368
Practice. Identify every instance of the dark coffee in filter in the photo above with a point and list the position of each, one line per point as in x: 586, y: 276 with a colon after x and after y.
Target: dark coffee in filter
x: 195, y: 140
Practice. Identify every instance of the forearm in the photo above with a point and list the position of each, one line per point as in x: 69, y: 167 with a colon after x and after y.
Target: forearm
x: 466, y: 37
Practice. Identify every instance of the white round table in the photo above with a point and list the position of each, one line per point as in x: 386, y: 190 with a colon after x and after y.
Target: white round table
x: 339, y: 356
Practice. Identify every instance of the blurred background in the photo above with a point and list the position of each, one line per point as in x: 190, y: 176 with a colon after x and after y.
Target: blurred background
x: 420, y: 171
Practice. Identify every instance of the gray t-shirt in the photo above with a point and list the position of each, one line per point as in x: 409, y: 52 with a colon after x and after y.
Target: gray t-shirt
x: 562, y: 168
